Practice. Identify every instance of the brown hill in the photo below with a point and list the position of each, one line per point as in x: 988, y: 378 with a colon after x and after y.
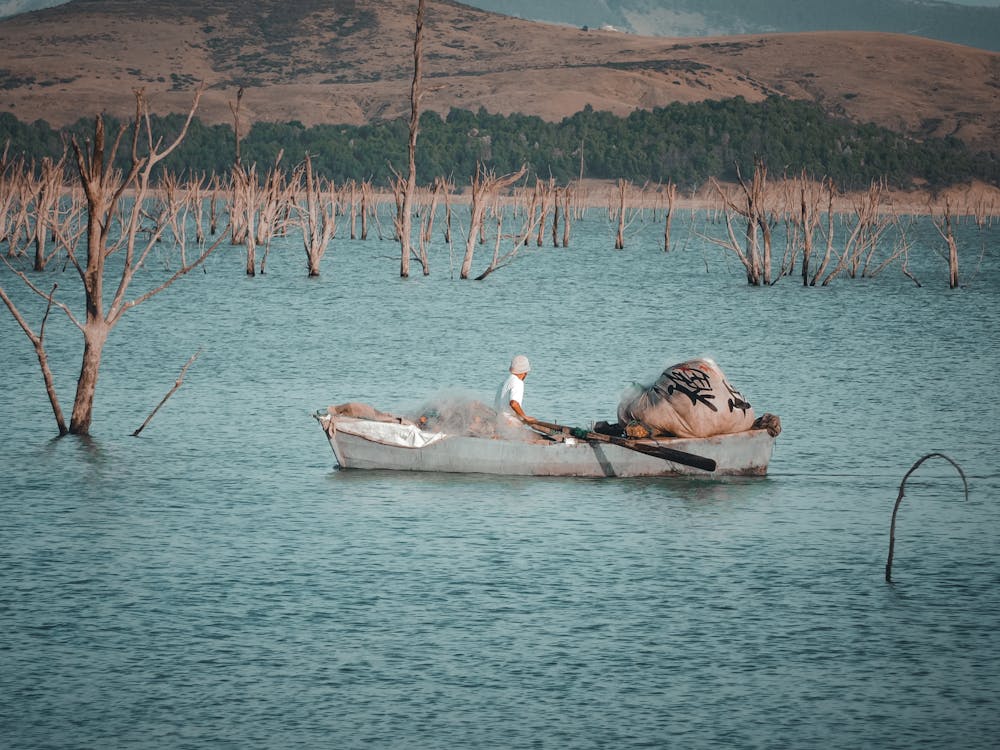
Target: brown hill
x: 350, y: 61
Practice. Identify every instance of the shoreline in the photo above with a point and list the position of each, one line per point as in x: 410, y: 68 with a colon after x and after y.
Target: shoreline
x: 976, y: 199
x: 781, y: 197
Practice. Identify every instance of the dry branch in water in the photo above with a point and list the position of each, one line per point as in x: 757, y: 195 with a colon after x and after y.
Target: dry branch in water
x: 38, y: 341
x: 177, y: 384
x: 899, y: 499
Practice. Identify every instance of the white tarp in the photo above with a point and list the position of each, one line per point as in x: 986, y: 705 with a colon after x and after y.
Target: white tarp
x: 389, y: 433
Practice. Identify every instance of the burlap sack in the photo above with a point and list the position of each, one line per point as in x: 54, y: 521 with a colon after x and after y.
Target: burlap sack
x: 692, y: 399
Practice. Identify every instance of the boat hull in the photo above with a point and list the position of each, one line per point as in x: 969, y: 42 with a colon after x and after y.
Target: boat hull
x: 361, y: 444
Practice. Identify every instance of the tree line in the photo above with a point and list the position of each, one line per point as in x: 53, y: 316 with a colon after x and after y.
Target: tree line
x: 687, y: 144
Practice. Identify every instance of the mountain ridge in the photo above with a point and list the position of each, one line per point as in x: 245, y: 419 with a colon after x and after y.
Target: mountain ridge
x: 975, y: 26
x: 349, y: 61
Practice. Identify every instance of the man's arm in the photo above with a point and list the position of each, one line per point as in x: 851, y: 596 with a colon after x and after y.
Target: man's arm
x: 520, y: 412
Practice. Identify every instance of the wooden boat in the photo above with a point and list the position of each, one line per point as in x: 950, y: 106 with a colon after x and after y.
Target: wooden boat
x: 390, y: 443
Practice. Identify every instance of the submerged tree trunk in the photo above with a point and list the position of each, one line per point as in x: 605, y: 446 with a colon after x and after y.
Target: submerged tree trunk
x: 406, y: 222
x: 567, y: 193
x: 620, y: 234
x: 671, y: 196
x: 366, y: 200
x: 555, y: 217
x: 95, y: 335
x: 944, y: 228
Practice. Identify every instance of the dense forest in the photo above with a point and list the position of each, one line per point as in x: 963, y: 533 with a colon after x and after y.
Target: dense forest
x: 683, y: 143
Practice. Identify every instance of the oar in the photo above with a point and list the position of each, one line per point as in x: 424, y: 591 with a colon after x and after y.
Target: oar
x: 660, y: 451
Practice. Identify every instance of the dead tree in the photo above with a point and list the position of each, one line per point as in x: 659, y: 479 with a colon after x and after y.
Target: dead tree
x: 197, y: 200
x: 567, y: 198
x: 869, y: 223
x: 828, y: 250
x: 256, y: 209
x: 544, y: 190
x: 944, y: 228
x: 351, y: 189
x: 485, y: 187
x: 273, y: 202
x: 397, y: 183
x: 243, y: 214
x: 113, y: 228
x: 731, y: 243
x: 317, y: 219
x: 756, y: 253
x: 622, y: 188
x: 876, y: 222
x: 11, y: 172
x: 213, y: 213
x: 983, y: 212
x: 439, y: 188
x: 367, y: 202
x: 402, y: 223
x: 235, y: 109
x: 20, y: 200
x: 556, y: 207
x: 808, y: 221
x: 448, y: 188
x: 670, y: 194
x: 49, y: 189
x: 176, y: 209
x: 622, y: 211
x: 406, y: 220
x: 531, y: 203
x: 427, y: 225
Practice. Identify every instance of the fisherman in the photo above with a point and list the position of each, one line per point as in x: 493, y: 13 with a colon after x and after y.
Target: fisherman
x: 510, y: 395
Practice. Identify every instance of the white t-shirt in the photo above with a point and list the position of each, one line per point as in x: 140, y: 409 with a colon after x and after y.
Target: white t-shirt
x: 512, y: 389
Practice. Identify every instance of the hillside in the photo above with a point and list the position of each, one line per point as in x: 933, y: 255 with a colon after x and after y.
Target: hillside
x: 349, y: 61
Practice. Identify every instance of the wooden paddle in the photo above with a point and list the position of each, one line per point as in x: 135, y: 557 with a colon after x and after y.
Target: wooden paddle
x: 659, y: 451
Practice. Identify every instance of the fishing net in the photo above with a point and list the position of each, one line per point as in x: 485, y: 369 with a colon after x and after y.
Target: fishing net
x: 464, y: 415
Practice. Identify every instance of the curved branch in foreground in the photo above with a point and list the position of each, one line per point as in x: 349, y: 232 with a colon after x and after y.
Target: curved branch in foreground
x: 899, y: 498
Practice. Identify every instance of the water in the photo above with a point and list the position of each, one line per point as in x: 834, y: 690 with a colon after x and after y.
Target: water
x: 217, y: 582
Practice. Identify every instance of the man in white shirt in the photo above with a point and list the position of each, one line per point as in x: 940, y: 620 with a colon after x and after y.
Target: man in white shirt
x: 510, y: 396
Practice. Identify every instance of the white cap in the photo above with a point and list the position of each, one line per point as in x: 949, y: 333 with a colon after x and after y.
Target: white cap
x: 520, y: 364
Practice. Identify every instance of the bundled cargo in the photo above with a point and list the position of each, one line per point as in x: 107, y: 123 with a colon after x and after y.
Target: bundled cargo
x: 692, y: 399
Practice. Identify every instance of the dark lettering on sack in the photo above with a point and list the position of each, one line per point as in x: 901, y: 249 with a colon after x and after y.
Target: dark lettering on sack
x: 736, y: 400
x: 694, y: 384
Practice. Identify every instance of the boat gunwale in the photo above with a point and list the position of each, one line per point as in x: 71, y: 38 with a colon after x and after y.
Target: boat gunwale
x: 610, y: 461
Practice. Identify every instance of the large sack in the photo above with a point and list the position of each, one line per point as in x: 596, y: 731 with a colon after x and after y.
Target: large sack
x: 692, y: 399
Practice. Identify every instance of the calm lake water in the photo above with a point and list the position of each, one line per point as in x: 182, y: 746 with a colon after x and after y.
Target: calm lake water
x: 218, y: 582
